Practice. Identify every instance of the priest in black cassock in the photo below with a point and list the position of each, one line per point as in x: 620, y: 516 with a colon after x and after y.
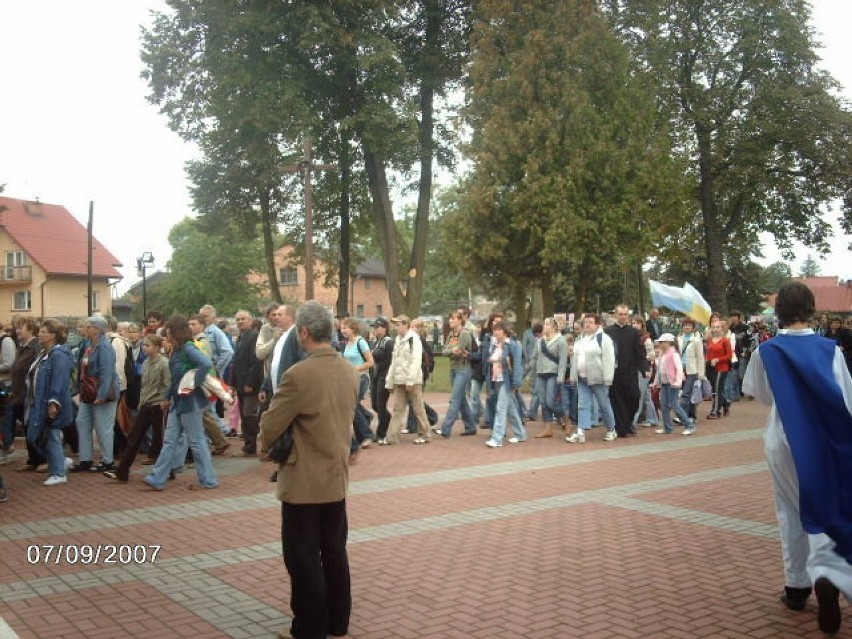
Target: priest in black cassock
x: 630, y: 360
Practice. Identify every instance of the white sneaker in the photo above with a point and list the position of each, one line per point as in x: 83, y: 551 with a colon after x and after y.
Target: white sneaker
x: 69, y: 463
x: 610, y: 436
x: 577, y: 438
x: 688, y: 431
x: 492, y: 444
x: 514, y: 440
x: 55, y: 479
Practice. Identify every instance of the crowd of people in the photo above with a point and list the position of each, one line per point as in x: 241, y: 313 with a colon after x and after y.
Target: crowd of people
x: 622, y: 371
x: 176, y: 390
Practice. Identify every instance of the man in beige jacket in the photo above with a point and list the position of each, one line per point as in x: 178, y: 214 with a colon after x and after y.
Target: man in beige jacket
x: 316, y: 401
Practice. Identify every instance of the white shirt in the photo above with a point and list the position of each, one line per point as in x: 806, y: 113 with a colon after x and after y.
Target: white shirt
x: 276, y: 358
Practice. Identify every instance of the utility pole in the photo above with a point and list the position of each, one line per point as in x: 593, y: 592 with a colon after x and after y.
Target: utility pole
x: 89, y: 260
x: 306, y: 167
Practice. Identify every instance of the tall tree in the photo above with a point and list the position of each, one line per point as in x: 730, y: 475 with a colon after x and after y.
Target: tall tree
x: 770, y: 140
x: 352, y: 75
x: 809, y: 267
x: 209, y: 70
x: 210, y: 269
x: 570, y: 162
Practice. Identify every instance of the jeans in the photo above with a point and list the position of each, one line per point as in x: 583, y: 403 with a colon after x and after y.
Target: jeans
x: 459, y: 378
x: 474, y: 400
x: 645, y: 403
x: 535, y: 401
x: 686, y: 395
x: 546, y: 388
x: 732, y: 383
x: 506, y: 407
x: 568, y: 395
x: 178, y: 425
x: 101, y: 417
x: 585, y: 396
x: 669, y: 401
x: 313, y: 541
x: 55, y: 453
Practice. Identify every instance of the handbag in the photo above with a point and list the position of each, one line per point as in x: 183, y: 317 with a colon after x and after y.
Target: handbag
x: 88, y: 389
x: 697, y: 393
x: 89, y: 385
x: 281, y: 447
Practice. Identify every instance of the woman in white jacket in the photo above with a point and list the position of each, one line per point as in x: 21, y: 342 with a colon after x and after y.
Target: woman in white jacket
x: 405, y: 382
x: 592, y: 369
x: 691, y: 348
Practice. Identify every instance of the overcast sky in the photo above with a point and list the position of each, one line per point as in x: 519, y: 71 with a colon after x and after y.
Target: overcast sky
x: 75, y: 125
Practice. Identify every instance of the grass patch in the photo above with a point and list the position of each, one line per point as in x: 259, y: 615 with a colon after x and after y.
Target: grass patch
x: 439, y: 380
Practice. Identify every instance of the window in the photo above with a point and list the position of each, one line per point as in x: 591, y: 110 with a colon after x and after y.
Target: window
x: 288, y: 277
x: 367, y: 283
x: 379, y: 310
x: 359, y: 310
x: 16, y: 258
x: 13, y: 259
x: 96, y: 300
x: 22, y: 301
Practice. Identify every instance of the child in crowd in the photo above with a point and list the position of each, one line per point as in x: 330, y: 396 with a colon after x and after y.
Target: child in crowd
x: 669, y: 378
x: 152, y: 401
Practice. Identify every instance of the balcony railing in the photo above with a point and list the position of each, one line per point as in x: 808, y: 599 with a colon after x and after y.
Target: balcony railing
x: 17, y: 274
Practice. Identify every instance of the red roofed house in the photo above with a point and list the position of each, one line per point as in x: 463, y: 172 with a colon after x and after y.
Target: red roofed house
x: 44, y: 270
x: 832, y: 295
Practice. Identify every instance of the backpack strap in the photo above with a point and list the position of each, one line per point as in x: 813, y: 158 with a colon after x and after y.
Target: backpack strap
x: 548, y: 354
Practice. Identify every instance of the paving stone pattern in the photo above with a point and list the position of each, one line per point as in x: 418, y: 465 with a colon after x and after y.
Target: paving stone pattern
x: 650, y: 536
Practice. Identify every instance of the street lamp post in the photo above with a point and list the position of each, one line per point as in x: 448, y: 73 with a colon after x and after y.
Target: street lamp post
x: 142, y: 264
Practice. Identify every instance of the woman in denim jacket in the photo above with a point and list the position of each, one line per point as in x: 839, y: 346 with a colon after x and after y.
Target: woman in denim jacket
x: 97, y: 360
x: 184, y: 425
x: 48, y: 398
x: 507, y: 373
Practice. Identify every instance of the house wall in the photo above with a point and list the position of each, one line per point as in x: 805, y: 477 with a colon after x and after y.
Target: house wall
x: 370, y: 295
x: 67, y: 296
x: 59, y: 296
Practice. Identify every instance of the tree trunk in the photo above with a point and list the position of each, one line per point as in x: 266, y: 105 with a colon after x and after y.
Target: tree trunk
x: 417, y: 263
x: 581, y: 288
x: 713, y: 240
x: 344, y: 278
x: 547, y: 293
x: 519, y: 301
x: 268, y: 249
x: 374, y: 166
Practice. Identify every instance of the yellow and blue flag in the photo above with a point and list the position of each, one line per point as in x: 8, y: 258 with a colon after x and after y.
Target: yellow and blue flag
x: 684, y: 299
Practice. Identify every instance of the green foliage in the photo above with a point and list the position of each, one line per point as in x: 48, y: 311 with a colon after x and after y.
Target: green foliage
x: 769, y: 139
x: 250, y: 81
x: 809, y: 267
x: 570, y: 162
x: 208, y: 269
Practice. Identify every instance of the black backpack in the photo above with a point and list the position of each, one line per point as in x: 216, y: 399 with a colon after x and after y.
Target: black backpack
x: 427, y: 359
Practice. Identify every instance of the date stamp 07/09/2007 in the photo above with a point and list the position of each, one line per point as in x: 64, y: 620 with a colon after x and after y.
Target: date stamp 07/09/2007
x: 106, y: 554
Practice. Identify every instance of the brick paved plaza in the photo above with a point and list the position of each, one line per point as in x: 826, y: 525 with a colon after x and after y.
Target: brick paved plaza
x: 653, y: 536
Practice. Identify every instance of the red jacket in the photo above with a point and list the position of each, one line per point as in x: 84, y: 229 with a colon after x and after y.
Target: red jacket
x: 722, y: 351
